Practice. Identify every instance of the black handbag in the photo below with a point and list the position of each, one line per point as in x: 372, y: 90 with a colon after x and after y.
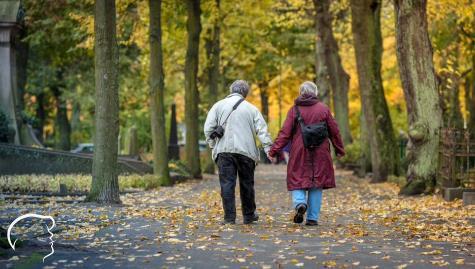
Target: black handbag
x: 314, y: 134
x: 218, y: 132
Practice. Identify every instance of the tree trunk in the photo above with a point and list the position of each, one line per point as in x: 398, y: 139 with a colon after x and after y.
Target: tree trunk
x: 470, y: 98
x: 365, y: 157
x: 76, y: 116
x: 321, y: 69
x: 414, y: 53
x: 63, y: 127
x: 41, y: 115
x: 330, y: 72
x: 193, y: 26
x: 368, y: 49
x: 264, y: 94
x: 173, y: 148
x: 157, y: 88
x: 213, y: 54
x: 455, y: 116
x: 450, y: 89
x: 105, y: 184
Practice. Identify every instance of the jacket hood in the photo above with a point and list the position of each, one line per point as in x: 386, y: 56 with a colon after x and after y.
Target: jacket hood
x: 307, y: 99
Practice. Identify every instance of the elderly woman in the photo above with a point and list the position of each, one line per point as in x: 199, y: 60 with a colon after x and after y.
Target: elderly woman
x: 310, y: 170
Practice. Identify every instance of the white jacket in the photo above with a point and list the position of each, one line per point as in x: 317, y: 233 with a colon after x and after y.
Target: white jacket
x: 241, y: 129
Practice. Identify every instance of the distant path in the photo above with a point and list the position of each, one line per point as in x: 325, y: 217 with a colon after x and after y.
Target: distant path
x: 362, y: 226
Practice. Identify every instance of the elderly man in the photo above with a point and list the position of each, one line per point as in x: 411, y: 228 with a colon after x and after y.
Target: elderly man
x: 230, y: 129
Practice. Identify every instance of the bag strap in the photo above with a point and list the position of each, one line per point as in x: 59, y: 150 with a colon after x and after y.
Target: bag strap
x: 234, y: 108
x: 296, y: 119
x: 299, y: 116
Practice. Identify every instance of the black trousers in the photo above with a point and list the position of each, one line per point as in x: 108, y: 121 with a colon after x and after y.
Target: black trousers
x: 230, y: 165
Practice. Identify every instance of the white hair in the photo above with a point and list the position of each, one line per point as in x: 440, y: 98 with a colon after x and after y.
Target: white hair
x: 240, y: 86
x: 308, y: 87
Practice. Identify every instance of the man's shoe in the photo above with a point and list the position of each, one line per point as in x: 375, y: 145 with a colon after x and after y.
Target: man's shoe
x: 225, y: 222
x: 300, y: 210
x: 311, y: 223
x: 249, y: 220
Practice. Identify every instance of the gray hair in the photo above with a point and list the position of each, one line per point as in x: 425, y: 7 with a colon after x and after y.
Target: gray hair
x: 308, y: 87
x: 240, y: 86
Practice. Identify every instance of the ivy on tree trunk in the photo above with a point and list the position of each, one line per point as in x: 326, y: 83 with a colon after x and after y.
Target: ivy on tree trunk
x: 105, y: 184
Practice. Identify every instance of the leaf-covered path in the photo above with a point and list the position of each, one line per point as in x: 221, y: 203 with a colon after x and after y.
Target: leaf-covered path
x: 362, y: 226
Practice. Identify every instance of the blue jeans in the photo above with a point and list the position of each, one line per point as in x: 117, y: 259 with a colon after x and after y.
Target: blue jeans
x: 313, y: 201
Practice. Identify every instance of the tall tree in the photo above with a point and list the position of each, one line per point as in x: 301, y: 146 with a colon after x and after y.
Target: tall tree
x: 193, y: 26
x: 416, y: 68
x: 329, y: 66
x: 105, y: 183
x: 157, y: 88
x: 63, y: 126
x: 213, y: 50
x: 367, y: 40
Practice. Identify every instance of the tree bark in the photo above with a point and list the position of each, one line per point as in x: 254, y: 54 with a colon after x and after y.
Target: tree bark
x: 470, y: 98
x: 63, y: 127
x: 76, y: 116
x: 264, y: 100
x: 213, y: 51
x: 41, y: 115
x: 193, y: 26
x: 105, y: 184
x: 213, y: 54
x: 416, y: 68
x: 321, y: 69
x: 449, y: 90
x: 330, y: 72
x: 365, y: 157
x: 157, y: 89
x: 368, y: 49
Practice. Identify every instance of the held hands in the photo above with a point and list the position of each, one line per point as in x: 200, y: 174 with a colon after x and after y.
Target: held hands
x: 272, y: 159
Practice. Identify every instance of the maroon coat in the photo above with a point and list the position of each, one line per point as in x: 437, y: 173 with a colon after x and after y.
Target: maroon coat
x: 301, y: 174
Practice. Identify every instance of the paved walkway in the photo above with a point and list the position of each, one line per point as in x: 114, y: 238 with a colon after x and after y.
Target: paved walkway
x: 362, y: 226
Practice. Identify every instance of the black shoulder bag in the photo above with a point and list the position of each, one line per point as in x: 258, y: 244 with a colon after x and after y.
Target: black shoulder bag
x: 314, y: 134
x: 219, y: 130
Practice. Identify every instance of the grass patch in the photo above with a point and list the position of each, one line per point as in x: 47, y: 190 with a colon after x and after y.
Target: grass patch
x: 73, y: 182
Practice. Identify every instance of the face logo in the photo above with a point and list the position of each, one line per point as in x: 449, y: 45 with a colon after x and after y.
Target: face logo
x: 31, y: 215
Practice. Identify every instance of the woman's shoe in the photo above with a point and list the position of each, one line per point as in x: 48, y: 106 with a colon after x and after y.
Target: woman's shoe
x: 300, y: 210
x: 311, y: 222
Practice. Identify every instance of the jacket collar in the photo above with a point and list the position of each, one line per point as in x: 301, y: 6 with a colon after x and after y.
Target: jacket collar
x: 234, y: 94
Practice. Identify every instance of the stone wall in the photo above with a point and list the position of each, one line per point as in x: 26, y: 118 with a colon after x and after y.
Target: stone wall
x: 16, y: 159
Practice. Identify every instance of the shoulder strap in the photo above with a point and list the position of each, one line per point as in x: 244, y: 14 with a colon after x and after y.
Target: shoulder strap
x: 234, y: 108
x: 299, y: 116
